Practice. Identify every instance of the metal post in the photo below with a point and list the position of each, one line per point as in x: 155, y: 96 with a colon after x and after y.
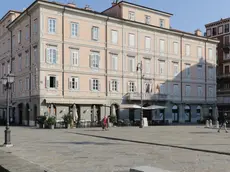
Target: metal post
x: 7, y: 131
x: 141, y: 115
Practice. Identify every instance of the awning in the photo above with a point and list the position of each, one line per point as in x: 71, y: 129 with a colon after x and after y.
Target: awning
x: 129, y: 106
x: 154, y: 107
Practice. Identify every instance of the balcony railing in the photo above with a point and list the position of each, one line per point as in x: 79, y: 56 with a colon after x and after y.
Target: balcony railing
x: 226, y: 47
x: 146, y: 96
x: 225, y: 75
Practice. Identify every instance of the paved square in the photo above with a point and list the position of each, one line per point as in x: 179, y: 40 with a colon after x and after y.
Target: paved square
x: 119, y: 149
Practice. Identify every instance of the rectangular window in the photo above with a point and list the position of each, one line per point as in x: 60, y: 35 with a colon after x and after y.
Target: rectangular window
x: 210, y: 91
x: 187, y: 70
x: 176, y: 90
x: 51, y: 56
x: 187, y: 90
x: 95, y: 60
x: 226, y: 69
x: 187, y: 50
x: 19, y: 62
x: 95, y: 33
x: 131, y: 64
x: 27, y: 83
x: 147, y: 19
x: 8, y: 67
x: 199, y: 71
x: 147, y: 66
x: 73, y: 83
x: 95, y: 85
x: 162, y: 88
x: 226, y: 40
x: 175, y: 69
x: 114, y: 62
x: 51, y: 25
x: 148, y: 88
x: 20, y: 85
x: 210, y: 54
x: 35, y: 54
x: 226, y: 28
x: 35, y: 26
x: 175, y: 48
x: 132, y: 87
x: 214, y: 31
x: 147, y: 43
x: 74, y: 57
x: 74, y: 29
x: 27, y: 32
x: 199, y: 52
x: 199, y: 91
x: 51, y: 82
x: 162, y: 68
x: 208, y: 32
x: 220, y: 29
x: 162, y: 46
x: 162, y: 23
x: 19, y: 36
x: 27, y: 59
x: 210, y: 72
x: 131, y: 15
x: 114, y: 85
x: 131, y: 40
x: 114, y: 34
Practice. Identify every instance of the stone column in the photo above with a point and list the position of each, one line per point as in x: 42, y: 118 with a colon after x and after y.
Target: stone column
x: 181, y: 113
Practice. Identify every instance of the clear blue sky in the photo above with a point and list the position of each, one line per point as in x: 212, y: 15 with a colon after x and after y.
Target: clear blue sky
x: 188, y: 15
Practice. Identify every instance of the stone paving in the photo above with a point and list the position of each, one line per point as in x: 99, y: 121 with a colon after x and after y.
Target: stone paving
x: 93, y: 150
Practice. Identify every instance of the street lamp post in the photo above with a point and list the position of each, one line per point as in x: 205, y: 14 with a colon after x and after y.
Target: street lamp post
x: 7, y: 81
x: 140, y: 68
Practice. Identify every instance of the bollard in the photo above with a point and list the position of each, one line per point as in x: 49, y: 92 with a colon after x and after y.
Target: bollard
x: 207, y: 124
x: 210, y: 123
x: 217, y: 124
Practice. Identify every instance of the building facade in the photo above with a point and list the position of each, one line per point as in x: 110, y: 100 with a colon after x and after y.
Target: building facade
x: 66, y: 58
x: 220, y: 30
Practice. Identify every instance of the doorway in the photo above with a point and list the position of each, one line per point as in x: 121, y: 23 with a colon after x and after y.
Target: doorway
x: 175, y: 114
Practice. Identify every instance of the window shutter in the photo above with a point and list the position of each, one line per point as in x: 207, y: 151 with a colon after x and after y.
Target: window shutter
x: 48, y: 55
x: 90, y: 84
x: 110, y: 85
x: 118, y: 86
x: 77, y: 83
x: 47, y: 81
x: 56, y: 84
x: 135, y: 88
x: 162, y: 47
x: 98, y: 60
x: 90, y: 60
x: 69, y: 83
x: 128, y: 90
x: 56, y: 54
x: 99, y: 86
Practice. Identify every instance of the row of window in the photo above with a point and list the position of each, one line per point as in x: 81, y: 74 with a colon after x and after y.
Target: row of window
x: 147, y: 19
x: 51, y: 82
x: 218, y: 30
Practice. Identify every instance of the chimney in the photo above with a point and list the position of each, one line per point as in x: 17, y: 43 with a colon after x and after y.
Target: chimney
x: 71, y: 4
x: 87, y: 7
x: 114, y: 3
x: 198, y: 32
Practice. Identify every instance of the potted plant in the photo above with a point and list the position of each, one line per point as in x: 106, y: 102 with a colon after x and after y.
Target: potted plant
x: 41, y: 121
x: 50, y: 122
x: 67, y: 120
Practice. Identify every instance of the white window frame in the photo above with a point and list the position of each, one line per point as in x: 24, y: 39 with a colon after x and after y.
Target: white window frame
x: 95, y: 84
x: 210, y: 53
x: 220, y: 29
x: 50, y: 55
x: 27, y: 83
x: 175, y: 48
x: 199, y: 71
x: 162, y: 68
x: 199, y: 52
x: 114, y: 62
x: 74, y: 29
x: 95, y: 60
x: 210, y: 72
x: 162, y: 23
x: 114, y: 84
x: 187, y: 50
x: 147, y: 43
x: 95, y: 33
x: 74, y: 57
x: 20, y: 85
x: 162, y: 46
x: 52, y: 24
x: 114, y: 36
x: 175, y: 69
x: 48, y: 82
x: 175, y: 89
x: 73, y: 83
x: 187, y: 70
x: 131, y: 40
x: 132, y: 15
x: 147, y: 66
x: 132, y: 67
x: 199, y: 91
x: 210, y: 92
x: 208, y: 32
x: 131, y: 86
x: 147, y: 19
x: 35, y: 26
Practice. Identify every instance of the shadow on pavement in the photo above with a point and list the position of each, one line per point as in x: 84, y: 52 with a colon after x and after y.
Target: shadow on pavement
x: 154, y: 144
x: 85, y: 143
x: 3, y: 169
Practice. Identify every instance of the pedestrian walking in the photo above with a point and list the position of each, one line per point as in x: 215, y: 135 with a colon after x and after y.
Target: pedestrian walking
x: 105, y: 123
x: 223, y: 122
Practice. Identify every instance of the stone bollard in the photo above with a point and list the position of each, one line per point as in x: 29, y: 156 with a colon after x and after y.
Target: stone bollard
x: 210, y: 123
x: 217, y: 124
x: 207, y: 124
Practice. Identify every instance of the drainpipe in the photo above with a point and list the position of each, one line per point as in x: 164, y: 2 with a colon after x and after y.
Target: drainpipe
x: 63, y: 52
x: 181, y: 64
x: 205, y: 73
x: 106, y: 57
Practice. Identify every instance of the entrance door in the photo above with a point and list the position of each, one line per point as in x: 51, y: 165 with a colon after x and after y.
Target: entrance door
x: 187, y: 111
x: 175, y: 114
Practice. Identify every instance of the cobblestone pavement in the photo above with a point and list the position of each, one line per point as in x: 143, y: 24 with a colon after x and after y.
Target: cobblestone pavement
x: 74, y: 150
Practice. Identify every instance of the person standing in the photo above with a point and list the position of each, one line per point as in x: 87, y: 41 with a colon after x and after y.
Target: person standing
x: 104, y: 123
x: 223, y: 122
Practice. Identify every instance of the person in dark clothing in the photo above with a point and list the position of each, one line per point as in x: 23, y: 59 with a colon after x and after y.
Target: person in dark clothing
x: 223, y: 122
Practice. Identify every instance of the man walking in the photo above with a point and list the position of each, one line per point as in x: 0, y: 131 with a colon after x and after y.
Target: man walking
x: 223, y: 122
